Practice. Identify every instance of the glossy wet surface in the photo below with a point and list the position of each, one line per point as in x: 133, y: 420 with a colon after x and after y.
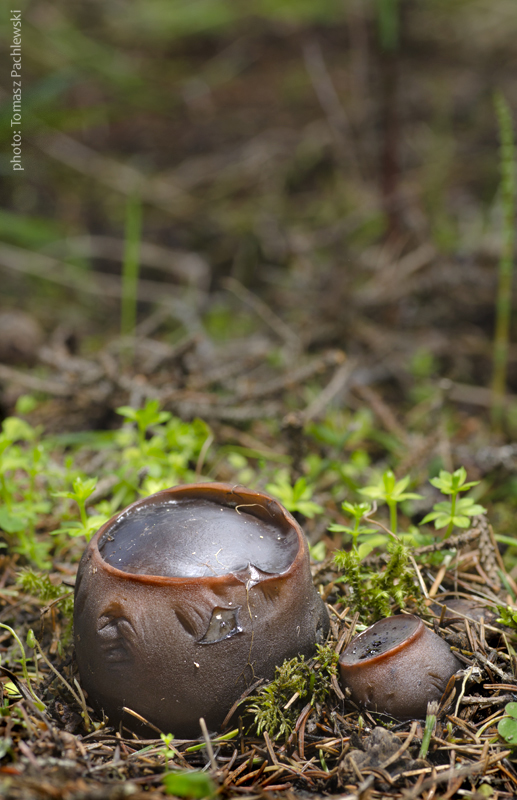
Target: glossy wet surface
x: 380, y: 638
x: 196, y: 538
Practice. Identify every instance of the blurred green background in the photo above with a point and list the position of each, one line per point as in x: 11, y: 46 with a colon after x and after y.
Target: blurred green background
x: 295, y: 146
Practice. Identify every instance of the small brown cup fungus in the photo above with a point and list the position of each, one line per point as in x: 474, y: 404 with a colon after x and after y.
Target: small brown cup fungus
x: 397, y: 666
x: 187, y: 597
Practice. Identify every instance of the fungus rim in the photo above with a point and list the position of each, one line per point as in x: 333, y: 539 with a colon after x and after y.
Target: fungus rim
x: 216, y: 493
x: 396, y: 648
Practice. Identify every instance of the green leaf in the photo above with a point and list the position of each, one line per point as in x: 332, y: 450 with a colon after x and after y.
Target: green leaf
x: 356, y: 510
x: 318, y: 551
x: 364, y: 549
x: 507, y: 729
x: 189, y: 784
x: 388, y: 480
x: 430, y: 517
x: 509, y: 540
x: 12, y: 523
x: 128, y: 412
x: 466, y: 505
x: 336, y: 528
x: 294, y: 498
x: 390, y: 490
x: 149, y: 415
x: 300, y: 489
x: 452, y: 483
x: 375, y: 492
x: 407, y: 496
x: 461, y: 522
x: 511, y: 709
x: 75, y: 528
x: 17, y: 430
x: 84, y: 487
x: 374, y: 539
x: 441, y: 519
x: 308, y: 508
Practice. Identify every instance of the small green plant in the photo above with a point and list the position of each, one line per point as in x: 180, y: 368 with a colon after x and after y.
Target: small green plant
x: 457, y: 511
x: 341, y: 430
x: 357, y: 512
x: 83, y: 488
x: 507, y: 727
x: 23, y: 660
x: 163, y: 451
x: 277, y: 705
x: 23, y: 462
x: 168, y: 751
x: 373, y: 538
x: 145, y: 418
x: 294, y: 498
x: 392, y: 492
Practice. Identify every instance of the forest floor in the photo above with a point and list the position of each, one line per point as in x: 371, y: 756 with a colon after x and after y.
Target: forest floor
x: 321, y: 233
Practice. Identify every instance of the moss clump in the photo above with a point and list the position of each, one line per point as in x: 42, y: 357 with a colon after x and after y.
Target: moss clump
x: 374, y: 593
x: 277, y: 706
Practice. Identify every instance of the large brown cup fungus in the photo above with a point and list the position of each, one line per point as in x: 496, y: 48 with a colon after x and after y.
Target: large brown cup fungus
x: 397, y: 666
x: 187, y: 597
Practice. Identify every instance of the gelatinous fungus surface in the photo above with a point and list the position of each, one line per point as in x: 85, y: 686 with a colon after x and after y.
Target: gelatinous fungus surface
x: 196, y: 538
x: 187, y: 597
x: 385, y: 635
x: 397, y: 666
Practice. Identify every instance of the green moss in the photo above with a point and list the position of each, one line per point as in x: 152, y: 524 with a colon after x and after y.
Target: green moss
x: 373, y: 593
x: 277, y: 706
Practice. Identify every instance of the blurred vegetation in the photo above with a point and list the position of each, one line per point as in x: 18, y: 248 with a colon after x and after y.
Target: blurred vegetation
x: 214, y: 107
x: 253, y: 134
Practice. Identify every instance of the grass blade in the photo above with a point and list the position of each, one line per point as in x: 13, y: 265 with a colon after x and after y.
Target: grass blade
x: 504, y: 294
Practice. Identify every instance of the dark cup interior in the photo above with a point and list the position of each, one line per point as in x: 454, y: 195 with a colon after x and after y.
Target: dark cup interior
x: 380, y: 639
x: 196, y: 538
